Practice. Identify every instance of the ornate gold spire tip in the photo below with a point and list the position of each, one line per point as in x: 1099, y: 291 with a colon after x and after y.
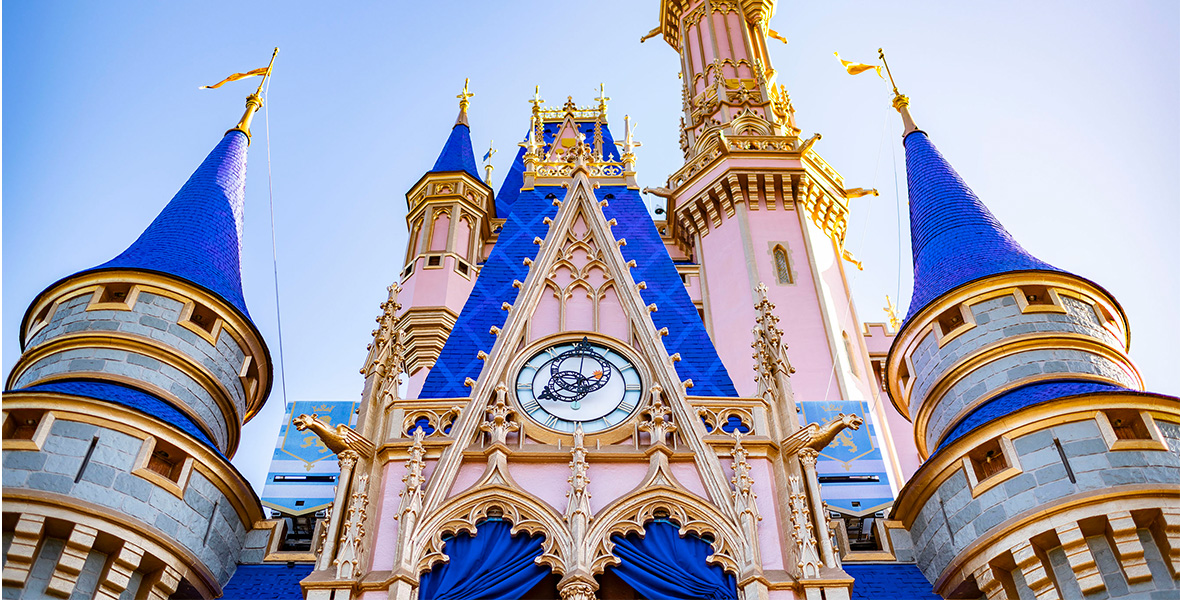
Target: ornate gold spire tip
x: 464, y: 101
x: 253, y: 101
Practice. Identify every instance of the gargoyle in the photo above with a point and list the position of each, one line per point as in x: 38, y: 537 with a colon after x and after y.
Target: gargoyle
x: 818, y: 437
x: 658, y: 191
x: 337, y: 440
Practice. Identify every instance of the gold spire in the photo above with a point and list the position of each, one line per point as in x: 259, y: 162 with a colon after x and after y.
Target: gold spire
x: 900, y: 101
x: 254, y: 101
x: 602, y: 99
x: 464, y: 102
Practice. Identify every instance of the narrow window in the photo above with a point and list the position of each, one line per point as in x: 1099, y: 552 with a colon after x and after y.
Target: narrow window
x: 988, y: 460
x: 782, y: 266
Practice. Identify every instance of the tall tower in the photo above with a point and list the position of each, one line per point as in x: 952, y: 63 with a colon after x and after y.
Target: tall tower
x: 756, y: 204
x: 450, y: 214
x: 1048, y: 472
x: 123, y: 412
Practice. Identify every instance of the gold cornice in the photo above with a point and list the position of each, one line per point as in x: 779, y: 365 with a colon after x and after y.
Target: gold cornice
x: 999, y: 350
x: 466, y: 177
x: 913, y: 330
x: 238, y: 325
x: 943, y: 464
x: 209, y: 463
x: 155, y: 542
x: 130, y: 342
x: 1032, y: 522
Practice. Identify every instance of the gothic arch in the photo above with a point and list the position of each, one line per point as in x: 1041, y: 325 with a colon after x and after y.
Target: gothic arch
x: 464, y: 512
x: 693, y: 514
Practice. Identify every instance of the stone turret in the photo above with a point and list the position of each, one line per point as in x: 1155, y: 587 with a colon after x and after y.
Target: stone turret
x: 123, y: 412
x: 1041, y: 451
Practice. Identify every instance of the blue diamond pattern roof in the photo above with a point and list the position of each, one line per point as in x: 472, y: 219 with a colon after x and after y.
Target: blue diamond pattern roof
x: 889, y: 581
x: 472, y: 331
x: 197, y: 237
x: 1023, y: 397
x: 267, y: 582
x: 510, y: 189
x: 955, y: 238
x: 130, y: 398
x: 456, y: 154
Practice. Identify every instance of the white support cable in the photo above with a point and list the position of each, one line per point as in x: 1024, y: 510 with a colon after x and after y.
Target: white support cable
x: 274, y: 254
x: 848, y: 297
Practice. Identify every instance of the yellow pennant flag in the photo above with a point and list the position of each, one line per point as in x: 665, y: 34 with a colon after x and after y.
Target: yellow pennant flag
x: 237, y: 76
x: 857, y: 68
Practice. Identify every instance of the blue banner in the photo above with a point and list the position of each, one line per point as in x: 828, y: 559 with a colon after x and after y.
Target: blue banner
x: 306, y: 445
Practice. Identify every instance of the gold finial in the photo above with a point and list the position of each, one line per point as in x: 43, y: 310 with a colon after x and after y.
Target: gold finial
x: 900, y: 102
x: 536, y: 101
x: 570, y: 107
x: 487, y: 159
x: 891, y: 311
x: 464, y: 102
x: 254, y: 101
x: 602, y: 98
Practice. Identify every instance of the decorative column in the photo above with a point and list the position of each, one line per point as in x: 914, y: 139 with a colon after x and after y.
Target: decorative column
x: 807, y: 457
x: 578, y: 583
x: 347, y: 460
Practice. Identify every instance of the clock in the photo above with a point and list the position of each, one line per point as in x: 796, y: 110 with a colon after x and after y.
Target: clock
x: 579, y: 382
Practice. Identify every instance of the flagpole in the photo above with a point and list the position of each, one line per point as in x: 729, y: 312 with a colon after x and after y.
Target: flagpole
x: 267, y: 74
x: 254, y: 101
x: 881, y: 53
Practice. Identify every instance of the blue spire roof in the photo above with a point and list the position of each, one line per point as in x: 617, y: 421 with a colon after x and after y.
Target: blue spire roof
x: 457, y: 154
x: 955, y: 238
x: 197, y: 237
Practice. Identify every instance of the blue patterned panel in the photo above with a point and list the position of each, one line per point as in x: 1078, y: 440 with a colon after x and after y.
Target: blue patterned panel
x: 686, y: 333
x: 197, y: 237
x: 130, y: 398
x: 267, y: 582
x: 889, y: 581
x: 955, y: 238
x: 472, y: 332
x: 306, y: 445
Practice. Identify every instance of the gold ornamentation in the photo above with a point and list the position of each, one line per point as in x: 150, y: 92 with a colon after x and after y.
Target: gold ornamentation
x: 772, y: 368
x: 339, y: 440
x: 578, y: 590
x: 815, y: 437
x: 501, y: 417
x: 352, y: 535
x: 655, y: 418
x: 809, y: 564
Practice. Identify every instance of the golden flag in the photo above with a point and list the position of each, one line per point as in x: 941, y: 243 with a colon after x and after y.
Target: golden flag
x: 237, y: 76
x: 857, y: 68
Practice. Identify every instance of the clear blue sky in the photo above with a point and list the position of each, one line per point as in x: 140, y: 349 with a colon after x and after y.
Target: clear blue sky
x: 1062, y: 115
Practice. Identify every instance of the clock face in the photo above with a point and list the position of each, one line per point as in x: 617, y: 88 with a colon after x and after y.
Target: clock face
x: 578, y: 382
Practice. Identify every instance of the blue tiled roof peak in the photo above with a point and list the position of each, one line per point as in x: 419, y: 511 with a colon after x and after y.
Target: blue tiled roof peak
x: 955, y: 238
x: 456, y: 154
x: 267, y: 582
x: 889, y: 581
x: 198, y: 235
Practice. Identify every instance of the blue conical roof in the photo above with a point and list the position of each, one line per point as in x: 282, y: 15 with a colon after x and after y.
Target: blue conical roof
x: 955, y: 238
x: 456, y: 153
x: 197, y: 237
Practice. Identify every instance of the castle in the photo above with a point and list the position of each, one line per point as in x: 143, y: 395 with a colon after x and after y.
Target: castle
x: 565, y: 398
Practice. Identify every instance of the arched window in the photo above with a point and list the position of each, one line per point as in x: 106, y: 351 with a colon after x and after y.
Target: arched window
x: 782, y: 265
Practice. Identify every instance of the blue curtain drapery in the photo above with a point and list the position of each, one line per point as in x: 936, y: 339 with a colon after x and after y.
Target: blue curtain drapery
x: 664, y: 566
x: 492, y: 565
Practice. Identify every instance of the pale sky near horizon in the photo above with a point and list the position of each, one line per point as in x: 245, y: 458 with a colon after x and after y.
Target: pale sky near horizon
x: 1062, y: 116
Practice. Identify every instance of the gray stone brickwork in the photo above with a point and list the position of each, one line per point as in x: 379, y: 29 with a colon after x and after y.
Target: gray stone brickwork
x: 997, y: 319
x: 204, y: 521
x: 952, y: 519
x: 155, y: 317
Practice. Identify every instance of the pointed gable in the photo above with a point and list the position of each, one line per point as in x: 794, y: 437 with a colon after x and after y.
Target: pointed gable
x: 526, y: 222
x: 514, y: 180
x: 456, y: 154
x: 955, y: 238
x: 198, y: 235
